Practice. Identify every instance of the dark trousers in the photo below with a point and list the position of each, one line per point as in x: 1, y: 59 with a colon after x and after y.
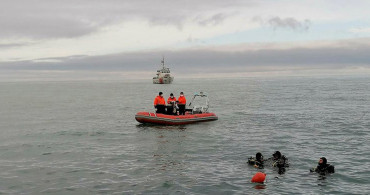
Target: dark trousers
x: 161, y: 109
x: 181, y: 109
x: 170, y: 108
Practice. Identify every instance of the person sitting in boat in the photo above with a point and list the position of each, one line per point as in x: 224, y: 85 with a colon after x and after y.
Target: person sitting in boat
x: 171, y: 105
x: 181, y: 102
x: 160, y: 104
x: 256, y: 162
x: 323, y: 168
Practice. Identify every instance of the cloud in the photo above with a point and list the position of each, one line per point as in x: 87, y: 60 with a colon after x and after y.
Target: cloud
x: 59, y: 59
x: 41, y: 27
x: 233, y: 59
x: 47, y: 19
x: 76, y: 18
x: 283, y: 23
x: 359, y: 30
x: 11, y: 45
x: 38, y: 32
x: 213, y: 20
x: 289, y: 23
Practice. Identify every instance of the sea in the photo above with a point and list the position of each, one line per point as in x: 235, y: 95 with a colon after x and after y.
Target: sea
x: 81, y: 137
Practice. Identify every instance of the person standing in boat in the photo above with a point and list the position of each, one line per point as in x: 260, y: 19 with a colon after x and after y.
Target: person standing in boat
x: 160, y: 104
x: 171, y: 104
x: 181, y: 103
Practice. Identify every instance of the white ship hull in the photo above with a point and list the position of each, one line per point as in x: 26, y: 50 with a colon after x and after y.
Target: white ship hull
x: 163, y: 75
x: 162, y: 80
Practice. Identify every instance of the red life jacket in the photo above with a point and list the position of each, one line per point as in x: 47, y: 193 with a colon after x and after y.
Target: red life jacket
x: 169, y: 100
x: 182, y: 100
x: 159, y: 101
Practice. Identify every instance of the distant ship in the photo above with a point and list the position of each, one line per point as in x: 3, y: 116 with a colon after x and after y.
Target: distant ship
x: 163, y: 75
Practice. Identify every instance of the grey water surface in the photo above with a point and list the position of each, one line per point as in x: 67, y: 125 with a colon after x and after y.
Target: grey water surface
x: 81, y: 137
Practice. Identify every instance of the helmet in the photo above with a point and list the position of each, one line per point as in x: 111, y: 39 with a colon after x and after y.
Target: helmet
x: 324, y: 161
x: 277, y: 154
x: 259, y: 156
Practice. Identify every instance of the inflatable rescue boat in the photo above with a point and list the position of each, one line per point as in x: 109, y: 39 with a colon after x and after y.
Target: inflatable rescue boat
x: 164, y: 119
x: 193, y: 114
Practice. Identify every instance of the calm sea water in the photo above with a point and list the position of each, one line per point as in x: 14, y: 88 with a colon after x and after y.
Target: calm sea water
x: 82, y: 137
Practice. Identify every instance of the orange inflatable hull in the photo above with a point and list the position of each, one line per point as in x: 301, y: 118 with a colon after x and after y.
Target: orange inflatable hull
x: 164, y: 119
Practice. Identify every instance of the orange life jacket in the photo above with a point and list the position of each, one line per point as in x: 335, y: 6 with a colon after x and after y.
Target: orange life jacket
x: 169, y: 100
x: 182, y: 100
x: 159, y: 101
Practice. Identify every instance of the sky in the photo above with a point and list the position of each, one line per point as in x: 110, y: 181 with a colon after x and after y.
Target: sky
x: 119, y: 39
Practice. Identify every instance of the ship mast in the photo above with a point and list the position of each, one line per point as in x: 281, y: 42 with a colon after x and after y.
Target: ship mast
x: 162, y: 62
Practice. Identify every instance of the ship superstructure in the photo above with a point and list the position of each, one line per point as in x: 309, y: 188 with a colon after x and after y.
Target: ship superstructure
x: 163, y: 76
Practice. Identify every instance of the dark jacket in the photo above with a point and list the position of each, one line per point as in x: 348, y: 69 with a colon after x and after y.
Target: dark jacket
x: 258, y: 163
x: 323, y: 169
x: 279, y: 162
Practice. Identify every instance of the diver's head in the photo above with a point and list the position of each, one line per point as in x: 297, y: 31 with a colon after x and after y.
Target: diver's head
x: 322, y: 161
x: 259, y: 156
x: 277, y: 155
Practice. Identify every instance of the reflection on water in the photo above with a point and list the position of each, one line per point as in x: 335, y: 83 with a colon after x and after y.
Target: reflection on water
x: 260, y: 186
x: 146, y: 126
x: 168, y: 152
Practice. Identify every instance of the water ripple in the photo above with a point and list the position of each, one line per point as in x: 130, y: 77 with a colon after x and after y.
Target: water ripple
x: 83, y: 141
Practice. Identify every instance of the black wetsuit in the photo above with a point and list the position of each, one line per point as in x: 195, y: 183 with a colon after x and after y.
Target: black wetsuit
x: 323, y: 169
x: 256, y: 162
x: 280, y: 162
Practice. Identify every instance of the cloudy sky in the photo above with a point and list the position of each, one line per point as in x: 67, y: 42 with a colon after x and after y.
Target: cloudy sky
x: 96, y: 39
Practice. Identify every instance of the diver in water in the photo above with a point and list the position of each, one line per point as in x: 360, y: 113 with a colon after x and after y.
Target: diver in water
x: 256, y: 162
x: 323, y: 168
x: 280, y: 161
